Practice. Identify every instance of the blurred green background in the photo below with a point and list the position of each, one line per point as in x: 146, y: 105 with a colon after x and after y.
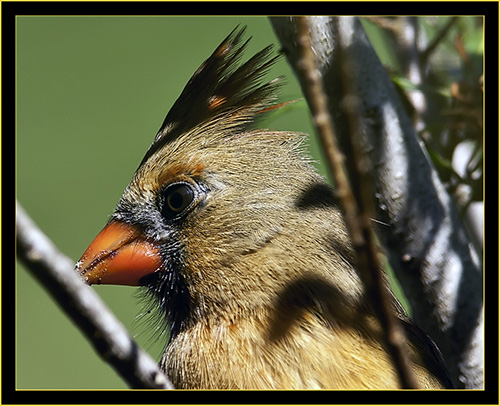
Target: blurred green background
x: 91, y: 94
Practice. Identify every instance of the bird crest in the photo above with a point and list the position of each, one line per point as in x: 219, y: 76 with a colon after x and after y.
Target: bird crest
x: 220, y: 93
x: 239, y: 242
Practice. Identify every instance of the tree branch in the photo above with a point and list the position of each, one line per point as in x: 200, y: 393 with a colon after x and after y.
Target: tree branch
x: 108, y: 336
x: 354, y: 200
x: 426, y: 243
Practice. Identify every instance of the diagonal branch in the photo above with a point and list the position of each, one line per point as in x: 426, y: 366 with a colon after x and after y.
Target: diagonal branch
x: 108, y: 336
x: 354, y: 200
x: 426, y: 243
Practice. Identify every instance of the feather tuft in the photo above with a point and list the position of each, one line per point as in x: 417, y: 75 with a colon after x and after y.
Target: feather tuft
x: 220, y: 87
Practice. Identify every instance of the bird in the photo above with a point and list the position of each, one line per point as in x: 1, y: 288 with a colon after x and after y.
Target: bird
x: 240, y: 248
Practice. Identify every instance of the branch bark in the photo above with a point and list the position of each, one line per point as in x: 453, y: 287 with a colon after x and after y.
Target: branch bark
x: 108, y: 336
x: 355, y: 203
x: 425, y: 241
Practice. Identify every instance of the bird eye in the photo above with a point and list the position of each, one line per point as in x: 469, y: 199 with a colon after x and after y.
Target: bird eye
x: 176, y: 199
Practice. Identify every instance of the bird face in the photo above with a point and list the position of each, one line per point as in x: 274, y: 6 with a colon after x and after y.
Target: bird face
x: 210, y: 194
x: 240, y: 244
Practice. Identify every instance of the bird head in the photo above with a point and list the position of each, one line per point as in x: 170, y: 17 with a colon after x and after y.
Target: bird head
x: 226, y: 224
x: 211, y: 217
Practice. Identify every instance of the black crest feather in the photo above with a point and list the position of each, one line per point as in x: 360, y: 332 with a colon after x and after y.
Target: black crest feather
x: 217, y: 87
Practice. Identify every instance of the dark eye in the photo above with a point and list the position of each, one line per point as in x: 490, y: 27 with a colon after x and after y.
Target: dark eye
x: 176, y: 198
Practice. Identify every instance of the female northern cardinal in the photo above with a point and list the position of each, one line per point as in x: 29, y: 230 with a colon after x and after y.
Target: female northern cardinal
x: 242, y: 247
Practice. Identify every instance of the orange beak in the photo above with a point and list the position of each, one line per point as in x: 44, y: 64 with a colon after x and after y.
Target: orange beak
x: 119, y: 255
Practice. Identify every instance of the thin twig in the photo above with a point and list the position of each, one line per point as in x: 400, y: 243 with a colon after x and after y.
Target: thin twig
x: 354, y: 201
x: 108, y: 336
x: 443, y: 280
x: 438, y: 38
